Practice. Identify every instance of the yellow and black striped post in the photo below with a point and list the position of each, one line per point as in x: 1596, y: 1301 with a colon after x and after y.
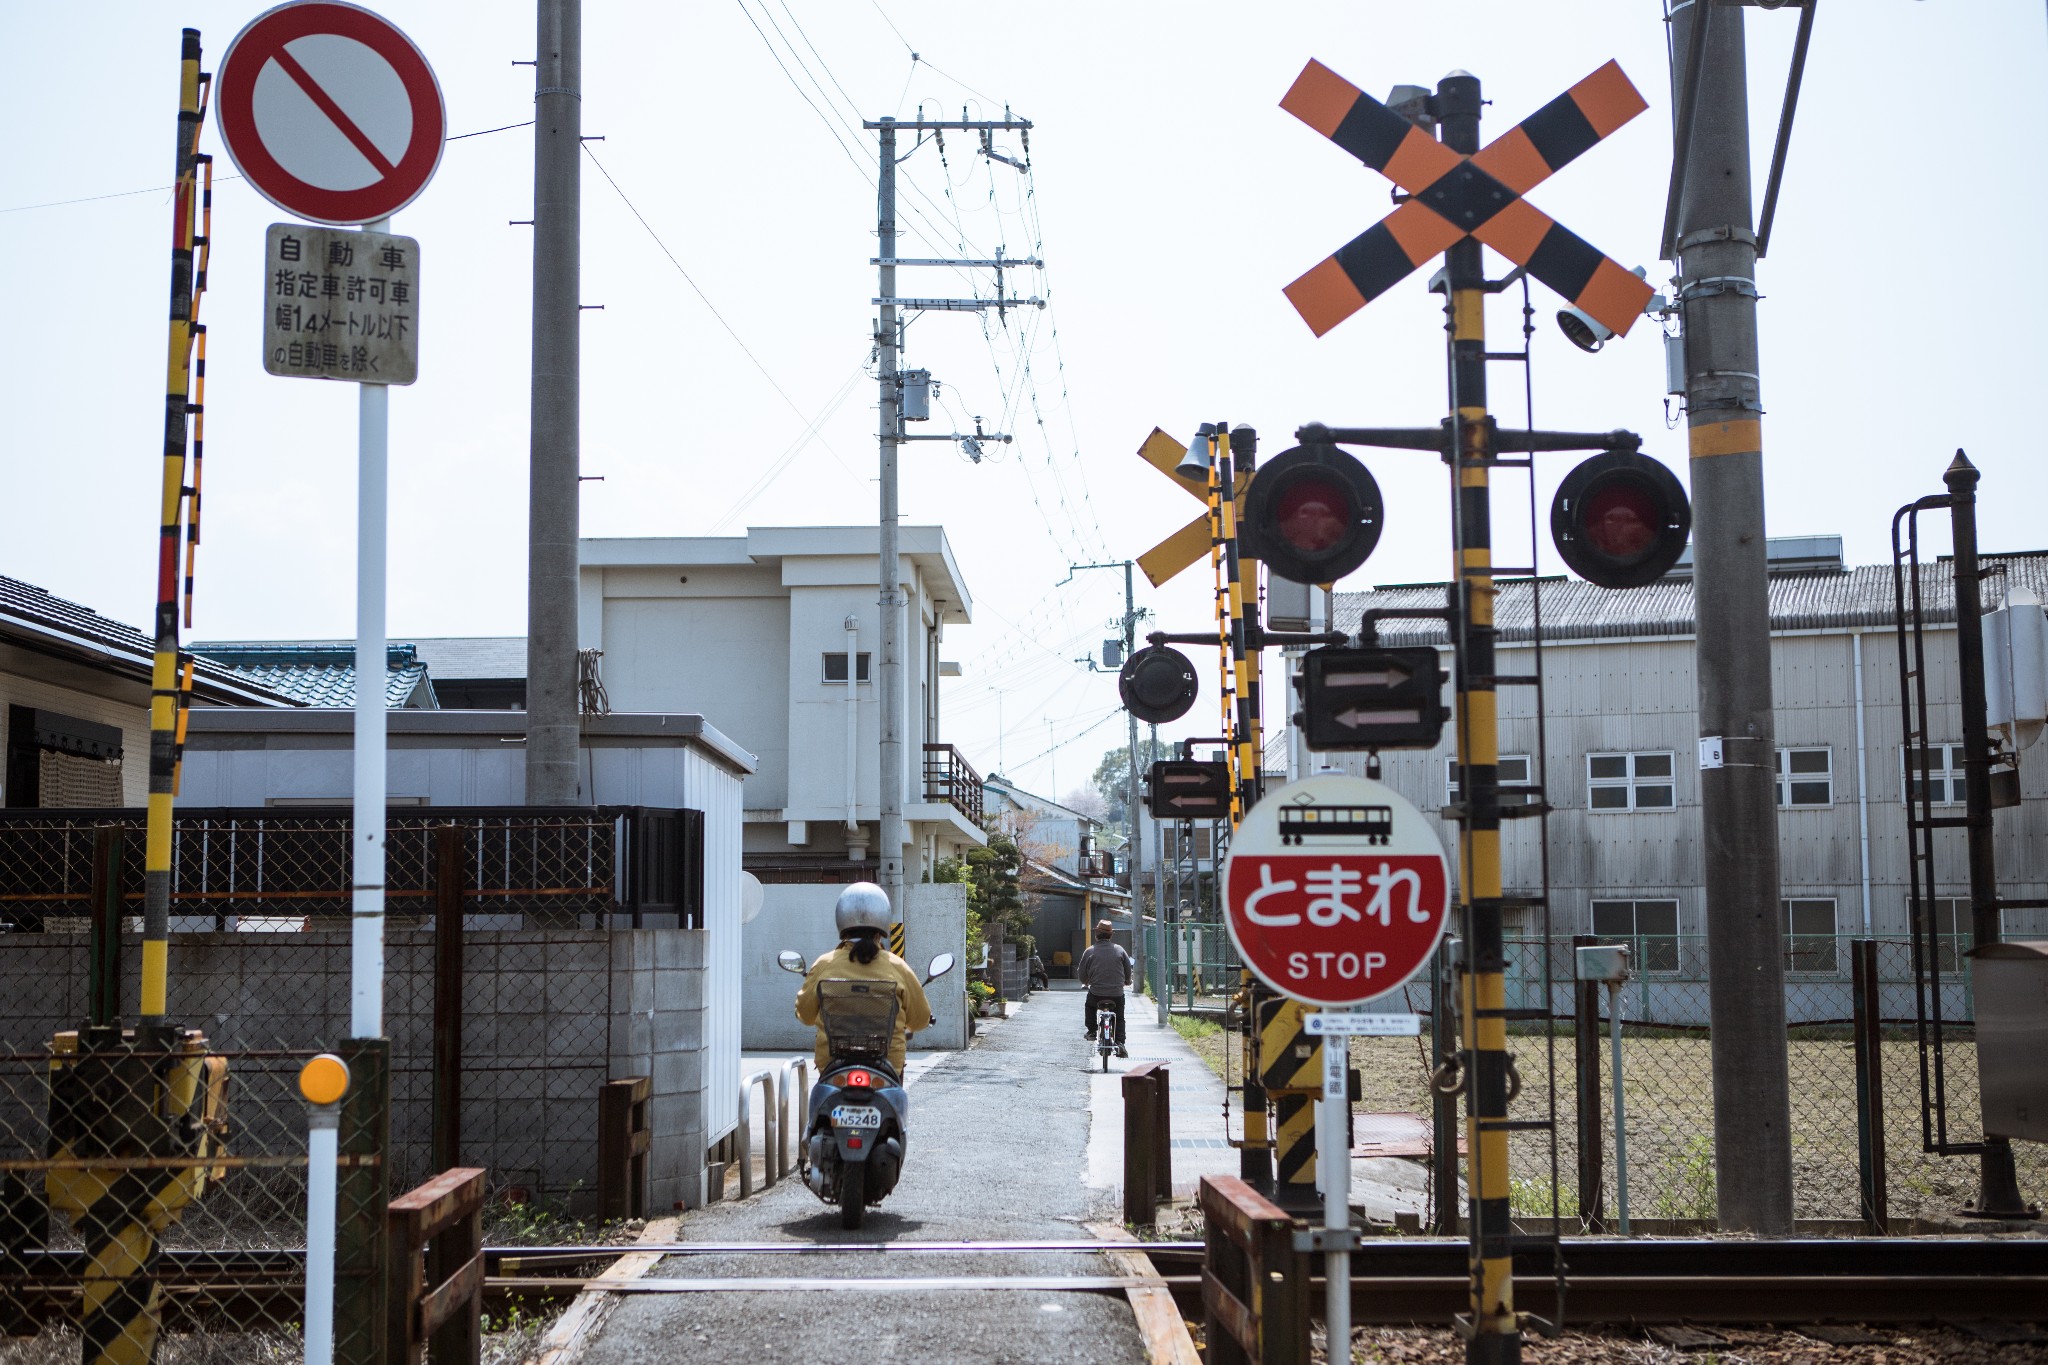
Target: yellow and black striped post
x: 1291, y: 1071
x: 896, y: 944
x: 1243, y: 664
x: 1496, y: 1333
x: 164, y: 683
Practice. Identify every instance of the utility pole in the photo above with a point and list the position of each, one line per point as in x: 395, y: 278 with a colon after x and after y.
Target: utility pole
x: 890, y: 680
x: 552, y: 729
x: 1156, y: 953
x: 888, y: 341
x: 1710, y: 235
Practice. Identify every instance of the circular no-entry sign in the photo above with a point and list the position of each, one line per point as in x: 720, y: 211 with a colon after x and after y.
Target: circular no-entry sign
x: 1337, y: 890
x: 330, y: 112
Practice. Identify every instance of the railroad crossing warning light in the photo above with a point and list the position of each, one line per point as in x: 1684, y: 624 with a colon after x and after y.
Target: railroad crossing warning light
x: 1157, y: 684
x: 1371, y: 699
x: 1312, y: 514
x: 1620, y: 520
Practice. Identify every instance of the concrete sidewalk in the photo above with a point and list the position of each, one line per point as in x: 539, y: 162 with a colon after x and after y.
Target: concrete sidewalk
x: 1381, y: 1187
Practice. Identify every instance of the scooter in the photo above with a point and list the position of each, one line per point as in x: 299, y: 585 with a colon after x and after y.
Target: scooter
x: 1105, y: 1034
x: 852, y: 1148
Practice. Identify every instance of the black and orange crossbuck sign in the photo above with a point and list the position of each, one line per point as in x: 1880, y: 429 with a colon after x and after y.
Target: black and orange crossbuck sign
x: 1455, y: 196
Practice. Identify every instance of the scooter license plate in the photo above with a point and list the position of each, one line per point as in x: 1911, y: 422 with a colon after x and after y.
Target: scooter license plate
x: 856, y: 1116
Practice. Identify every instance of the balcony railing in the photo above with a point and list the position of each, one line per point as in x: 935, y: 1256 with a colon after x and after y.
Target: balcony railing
x: 949, y: 778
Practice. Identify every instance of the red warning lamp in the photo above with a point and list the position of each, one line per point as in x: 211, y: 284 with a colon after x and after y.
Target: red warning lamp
x: 1620, y: 520
x: 858, y: 1080
x: 1313, y: 514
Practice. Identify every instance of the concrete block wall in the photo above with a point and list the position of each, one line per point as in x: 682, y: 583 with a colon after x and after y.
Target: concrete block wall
x: 548, y: 1016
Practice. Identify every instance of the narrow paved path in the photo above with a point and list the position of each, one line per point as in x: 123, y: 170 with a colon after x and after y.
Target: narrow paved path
x: 998, y: 1151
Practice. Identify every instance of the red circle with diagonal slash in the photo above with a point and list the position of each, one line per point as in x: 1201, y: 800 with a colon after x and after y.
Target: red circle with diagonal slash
x: 260, y: 146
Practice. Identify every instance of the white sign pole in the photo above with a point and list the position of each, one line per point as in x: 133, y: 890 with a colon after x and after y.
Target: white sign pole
x: 1333, y: 1163
x: 366, y: 832
x: 323, y: 1146
x: 1620, y: 1118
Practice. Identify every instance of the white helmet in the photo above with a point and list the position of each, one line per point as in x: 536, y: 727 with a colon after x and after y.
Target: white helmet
x: 862, y: 906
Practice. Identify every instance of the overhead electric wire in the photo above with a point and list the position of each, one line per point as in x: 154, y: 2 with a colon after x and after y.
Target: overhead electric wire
x: 738, y: 340
x: 219, y: 179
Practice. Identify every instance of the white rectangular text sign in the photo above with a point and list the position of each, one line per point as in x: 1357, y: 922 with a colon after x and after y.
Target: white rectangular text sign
x: 342, y: 305
x: 1364, y: 1025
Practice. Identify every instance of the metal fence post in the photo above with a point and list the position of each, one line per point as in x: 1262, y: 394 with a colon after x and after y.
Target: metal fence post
x: 1586, y: 1055
x: 1869, y: 1033
x: 104, y: 984
x: 363, y: 1193
x: 448, y: 889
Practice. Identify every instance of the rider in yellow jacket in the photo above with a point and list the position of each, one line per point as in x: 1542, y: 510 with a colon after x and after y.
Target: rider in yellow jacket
x: 863, y: 919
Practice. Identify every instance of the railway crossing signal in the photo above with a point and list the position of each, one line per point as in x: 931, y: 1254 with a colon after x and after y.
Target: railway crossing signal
x: 1620, y: 520
x: 1180, y: 789
x: 1157, y: 684
x: 1312, y: 514
x: 1453, y: 197
x: 1372, y: 699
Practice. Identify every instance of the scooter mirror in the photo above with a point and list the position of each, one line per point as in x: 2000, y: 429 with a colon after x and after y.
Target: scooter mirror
x: 940, y: 965
x: 790, y: 960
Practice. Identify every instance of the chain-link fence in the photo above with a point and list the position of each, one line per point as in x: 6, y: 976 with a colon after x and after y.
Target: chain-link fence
x: 1667, y: 1070
x: 501, y: 1036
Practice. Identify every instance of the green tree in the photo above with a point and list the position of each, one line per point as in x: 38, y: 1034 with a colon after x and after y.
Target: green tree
x: 995, y: 896
x: 1113, y: 775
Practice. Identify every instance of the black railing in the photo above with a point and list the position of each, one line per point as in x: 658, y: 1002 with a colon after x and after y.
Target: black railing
x: 949, y: 778
x: 617, y: 863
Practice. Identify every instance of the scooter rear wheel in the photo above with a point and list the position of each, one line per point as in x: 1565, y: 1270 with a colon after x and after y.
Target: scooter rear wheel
x: 853, y: 1193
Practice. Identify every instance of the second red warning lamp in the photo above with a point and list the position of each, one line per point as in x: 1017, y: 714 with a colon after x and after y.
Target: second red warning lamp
x: 1620, y: 520
x: 1312, y: 514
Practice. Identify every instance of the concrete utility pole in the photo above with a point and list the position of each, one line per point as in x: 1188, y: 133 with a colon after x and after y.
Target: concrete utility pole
x: 889, y: 382
x: 890, y: 674
x: 1712, y: 239
x: 552, y: 729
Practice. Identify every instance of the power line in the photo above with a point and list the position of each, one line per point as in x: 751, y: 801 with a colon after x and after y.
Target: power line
x: 219, y: 180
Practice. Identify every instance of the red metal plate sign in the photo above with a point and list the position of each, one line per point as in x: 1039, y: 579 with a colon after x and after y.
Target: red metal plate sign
x: 1337, y: 890
x: 330, y: 112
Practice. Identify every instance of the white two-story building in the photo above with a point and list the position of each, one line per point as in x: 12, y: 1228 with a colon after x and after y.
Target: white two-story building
x: 776, y: 634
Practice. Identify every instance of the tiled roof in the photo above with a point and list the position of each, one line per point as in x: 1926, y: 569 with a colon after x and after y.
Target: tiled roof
x: 31, y: 606
x: 1827, y: 599
x: 322, y: 675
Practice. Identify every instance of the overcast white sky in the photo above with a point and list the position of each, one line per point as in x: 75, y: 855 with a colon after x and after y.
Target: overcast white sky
x: 1171, y: 199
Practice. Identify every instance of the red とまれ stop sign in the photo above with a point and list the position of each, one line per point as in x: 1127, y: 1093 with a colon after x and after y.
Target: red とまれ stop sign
x: 1337, y: 890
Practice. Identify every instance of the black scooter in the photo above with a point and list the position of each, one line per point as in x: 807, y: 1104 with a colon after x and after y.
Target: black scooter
x: 852, y: 1148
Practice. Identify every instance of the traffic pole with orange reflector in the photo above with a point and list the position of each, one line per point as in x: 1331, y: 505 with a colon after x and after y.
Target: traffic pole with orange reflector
x: 1456, y: 197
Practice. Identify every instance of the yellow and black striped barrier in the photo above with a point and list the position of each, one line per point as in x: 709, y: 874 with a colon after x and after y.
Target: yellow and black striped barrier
x: 1290, y: 1068
x: 155, y: 1111
x: 896, y: 940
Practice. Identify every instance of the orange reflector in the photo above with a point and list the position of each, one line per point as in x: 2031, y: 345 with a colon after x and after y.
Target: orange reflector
x: 324, y: 1079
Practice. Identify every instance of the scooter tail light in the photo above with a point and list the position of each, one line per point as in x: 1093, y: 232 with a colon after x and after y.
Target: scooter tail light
x: 854, y: 1143
x: 859, y: 1078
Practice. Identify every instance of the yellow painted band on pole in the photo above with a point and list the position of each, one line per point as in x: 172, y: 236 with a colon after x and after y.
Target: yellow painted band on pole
x: 1468, y: 315
x: 1495, y: 1279
x: 1482, y: 873
x: 156, y: 960
x: 1744, y: 437
x: 1481, y: 734
x: 156, y: 847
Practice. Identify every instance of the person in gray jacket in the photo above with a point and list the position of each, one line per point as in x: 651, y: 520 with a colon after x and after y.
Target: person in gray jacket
x: 1105, y: 972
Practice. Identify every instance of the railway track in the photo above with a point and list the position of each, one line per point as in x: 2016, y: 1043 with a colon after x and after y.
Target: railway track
x: 1397, y: 1282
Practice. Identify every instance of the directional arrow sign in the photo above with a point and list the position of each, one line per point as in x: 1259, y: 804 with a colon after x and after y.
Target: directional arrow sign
x: 1372, y: 699
x: 1180, y: 789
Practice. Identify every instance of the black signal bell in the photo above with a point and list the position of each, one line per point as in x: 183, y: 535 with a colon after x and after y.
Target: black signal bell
x: 1157, y: 684
x: 1312, y: 514
x: 1620, y: 520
